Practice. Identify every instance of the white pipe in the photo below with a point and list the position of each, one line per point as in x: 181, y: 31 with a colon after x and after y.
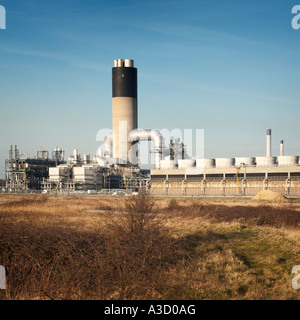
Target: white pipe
x: 149, y: 135
x: 120, y: 62
x: 268, y: 151
x: 128, y: 63
x: 281, y: 148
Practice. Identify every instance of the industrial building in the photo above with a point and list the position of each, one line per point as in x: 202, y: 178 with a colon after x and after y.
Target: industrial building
x: 90, y: 176
x: 241, y: 176
x: 117, y: 167
x: 24, y: 173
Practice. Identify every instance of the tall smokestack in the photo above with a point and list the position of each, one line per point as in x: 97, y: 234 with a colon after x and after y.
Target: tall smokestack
x: 281, y: 147
x: 268, y: 143
x: 124, y: 107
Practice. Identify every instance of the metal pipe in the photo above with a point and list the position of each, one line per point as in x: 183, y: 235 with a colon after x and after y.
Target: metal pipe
x: 149, y: 135
x: 182, y: 186
x: 128, y: 63
x: 281, y: 147
x: 268, y: 153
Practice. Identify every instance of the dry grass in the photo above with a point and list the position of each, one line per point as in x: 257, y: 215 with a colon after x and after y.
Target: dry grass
x: 53, y: 248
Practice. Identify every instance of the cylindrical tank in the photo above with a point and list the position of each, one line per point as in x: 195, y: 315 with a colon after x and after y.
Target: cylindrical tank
x: 265, y: 161
x: 250, y: 161
x: 124, y: 108
x: 224, y: 162
x: 76, y: 155
x: 167, y: 164
x: 288, y: 160
x: 186, y: 163
x: 205, y: 163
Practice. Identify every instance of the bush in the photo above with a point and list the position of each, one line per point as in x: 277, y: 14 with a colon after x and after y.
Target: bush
x: 126, y: 259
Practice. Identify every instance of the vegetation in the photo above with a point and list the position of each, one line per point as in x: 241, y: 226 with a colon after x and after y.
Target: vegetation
x: 147, y: 248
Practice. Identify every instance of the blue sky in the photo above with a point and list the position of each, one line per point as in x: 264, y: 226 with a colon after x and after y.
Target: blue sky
x: 230, y: 67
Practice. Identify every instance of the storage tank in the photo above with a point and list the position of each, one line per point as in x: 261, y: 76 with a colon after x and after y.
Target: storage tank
x: 205, y: 163
x: 288, y: 160
x: 224, y: 162
x: 265, y: 161
x: 250, y: 161
x: 186, y: 163
x: 124, y: 108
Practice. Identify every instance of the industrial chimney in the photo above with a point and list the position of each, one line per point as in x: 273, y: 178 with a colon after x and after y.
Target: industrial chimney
x: 124, y: 107
x: 281, y: 147
x: 268, y: 153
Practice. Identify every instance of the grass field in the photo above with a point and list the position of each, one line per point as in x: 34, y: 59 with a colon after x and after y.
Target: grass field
x: 145, y: 248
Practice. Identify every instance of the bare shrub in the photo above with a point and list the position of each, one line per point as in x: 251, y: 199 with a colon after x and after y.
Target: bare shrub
x: 127, y: 259
x: 138, y: 212
x: 140, y: 249
x: 173, y: 205
x: 55, y: 249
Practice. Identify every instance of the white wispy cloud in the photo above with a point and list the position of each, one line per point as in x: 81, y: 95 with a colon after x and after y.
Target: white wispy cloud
x: 72, y: 60
x: 193, y: 32
x: 186, y: 83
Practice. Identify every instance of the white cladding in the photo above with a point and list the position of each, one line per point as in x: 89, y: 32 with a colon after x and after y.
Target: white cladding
x: 84, y: 173
x: 59, y: 173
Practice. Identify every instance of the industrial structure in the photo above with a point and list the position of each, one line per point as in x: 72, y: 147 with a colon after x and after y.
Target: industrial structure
x: 117, y: 166
x: 25, y: 173
x: 242, y: 176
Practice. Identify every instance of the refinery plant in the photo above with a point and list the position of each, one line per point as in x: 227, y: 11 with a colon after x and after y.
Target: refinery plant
x: 116, y: 169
